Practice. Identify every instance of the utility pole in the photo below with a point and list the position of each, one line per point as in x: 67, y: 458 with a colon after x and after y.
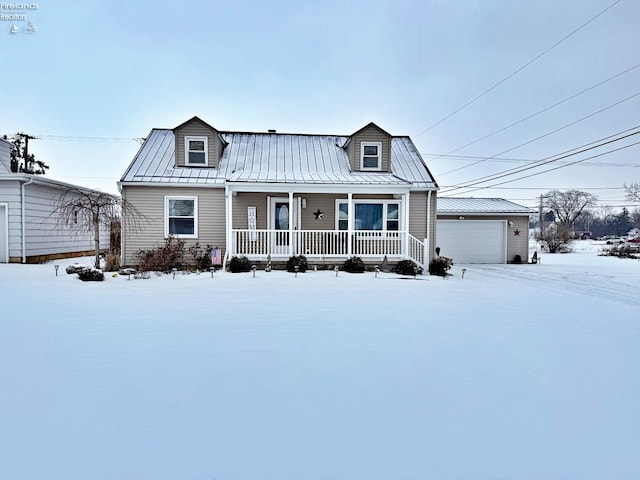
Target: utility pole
x: 27, y: 163
x: 540, y: 215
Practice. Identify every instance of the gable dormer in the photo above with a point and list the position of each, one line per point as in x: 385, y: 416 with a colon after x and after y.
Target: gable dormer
x: 198, y: 144
x: 369, y: 150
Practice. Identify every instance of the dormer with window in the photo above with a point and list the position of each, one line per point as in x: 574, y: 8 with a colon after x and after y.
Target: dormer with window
x: 369, y: 150
x: 198, y: 144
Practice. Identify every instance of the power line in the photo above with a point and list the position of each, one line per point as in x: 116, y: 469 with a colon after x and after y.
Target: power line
x: 540, y: 55
x: 76, y: 138
x: 522, y: 160
x: 548, y: 133
x: 542, y: 111
x: 558, y: 167
x: 554, y: 158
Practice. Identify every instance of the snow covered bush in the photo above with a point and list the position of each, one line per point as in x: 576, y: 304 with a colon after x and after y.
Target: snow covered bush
x: 353, y: 265
x: 239, y: 264
x: 89, y: 274
x: 408, y: 267
x: 440, y: 266
x: 299, y: 261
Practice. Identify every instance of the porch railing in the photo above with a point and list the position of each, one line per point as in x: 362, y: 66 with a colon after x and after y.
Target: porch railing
x: 327, y: 243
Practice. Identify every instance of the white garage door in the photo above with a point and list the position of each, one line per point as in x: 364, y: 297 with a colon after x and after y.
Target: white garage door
x: 473, y: 241
x: 4, y: 240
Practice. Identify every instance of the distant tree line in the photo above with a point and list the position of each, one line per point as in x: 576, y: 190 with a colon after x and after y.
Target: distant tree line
x: 565, y: 214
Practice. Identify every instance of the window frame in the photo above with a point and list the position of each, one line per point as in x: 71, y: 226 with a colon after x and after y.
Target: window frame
x: 167, y: 216
x: 385, y: 213
x: 363, y: 145
x: 187, y: 150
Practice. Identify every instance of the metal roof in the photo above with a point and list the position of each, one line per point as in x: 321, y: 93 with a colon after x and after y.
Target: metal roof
x: 480, y: 206
x: 276, y: 158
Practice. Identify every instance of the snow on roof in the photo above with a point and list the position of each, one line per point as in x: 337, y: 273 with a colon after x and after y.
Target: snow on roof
x: 480, y: 206
x: 276, y: 158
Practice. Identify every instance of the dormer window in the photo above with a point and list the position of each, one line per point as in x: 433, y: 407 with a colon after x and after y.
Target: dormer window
x: 371, y: 155
x: 196, y: 149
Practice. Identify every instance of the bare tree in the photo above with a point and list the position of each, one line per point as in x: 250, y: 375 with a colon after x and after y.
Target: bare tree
x: 87, y: 210
x: 555, y: 236
x: 633, y: 191
x: 568, y: 206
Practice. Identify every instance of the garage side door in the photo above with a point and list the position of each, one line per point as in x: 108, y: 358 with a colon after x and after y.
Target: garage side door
x: 4, y: 235
x: 473, y: 241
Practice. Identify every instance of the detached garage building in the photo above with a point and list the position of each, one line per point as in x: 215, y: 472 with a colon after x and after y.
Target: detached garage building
x: 482, y: 230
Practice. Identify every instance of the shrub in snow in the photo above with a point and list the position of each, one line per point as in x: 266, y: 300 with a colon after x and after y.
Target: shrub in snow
x: 75, y: 268
x: 353, y: 265
x: 175, y: 254
x: 239, y: 264
x: 112, y: 262
x: 299, y: 261
x: 89, y: 274
x: 440, y: 266
x: 408, y: 267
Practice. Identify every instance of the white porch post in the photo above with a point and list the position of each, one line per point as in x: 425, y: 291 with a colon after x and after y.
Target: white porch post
x: 350, y: 218
x: 405, y: 246
x: 230, y: 245
x: 290, y: 224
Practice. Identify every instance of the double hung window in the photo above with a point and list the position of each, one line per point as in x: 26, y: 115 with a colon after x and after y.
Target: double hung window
x: 371, y: 156
x: 181, y: 217
x: 195, y: 151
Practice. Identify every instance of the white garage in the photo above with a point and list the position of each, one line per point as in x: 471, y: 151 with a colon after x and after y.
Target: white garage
x: 482, y: 230
x: 473, y: 241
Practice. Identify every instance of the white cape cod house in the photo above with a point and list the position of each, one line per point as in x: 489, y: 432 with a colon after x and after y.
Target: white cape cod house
x: 328, y: 197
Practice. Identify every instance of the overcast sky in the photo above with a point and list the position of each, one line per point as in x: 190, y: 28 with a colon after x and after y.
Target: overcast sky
x: 114, y: 70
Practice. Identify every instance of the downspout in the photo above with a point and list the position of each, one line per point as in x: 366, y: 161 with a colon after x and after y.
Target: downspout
x: 24, y: 219
x: 427, y: 240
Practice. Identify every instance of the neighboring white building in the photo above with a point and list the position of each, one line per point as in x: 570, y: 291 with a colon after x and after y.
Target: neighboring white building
x: 29, y: 230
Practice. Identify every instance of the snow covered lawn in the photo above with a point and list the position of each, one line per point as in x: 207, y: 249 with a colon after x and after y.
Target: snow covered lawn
x: 514, y: 372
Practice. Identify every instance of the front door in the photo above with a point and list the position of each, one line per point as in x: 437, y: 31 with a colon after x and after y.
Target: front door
x: 282, y: 214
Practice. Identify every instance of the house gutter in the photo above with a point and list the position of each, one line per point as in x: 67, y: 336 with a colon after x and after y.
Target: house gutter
x: 24, y: 221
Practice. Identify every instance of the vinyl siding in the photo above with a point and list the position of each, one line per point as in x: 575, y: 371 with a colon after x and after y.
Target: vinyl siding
x: 199, y: 129
x: 369, y: 134
x: 150, y: 201
x: 44, y: 235
x: 10, y: 194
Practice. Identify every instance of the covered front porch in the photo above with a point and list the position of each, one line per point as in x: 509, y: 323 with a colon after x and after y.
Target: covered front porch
x: 326, y: 226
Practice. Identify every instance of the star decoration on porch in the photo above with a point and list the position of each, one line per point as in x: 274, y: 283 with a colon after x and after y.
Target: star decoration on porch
x: 516, y: 232
x: 319, y: 215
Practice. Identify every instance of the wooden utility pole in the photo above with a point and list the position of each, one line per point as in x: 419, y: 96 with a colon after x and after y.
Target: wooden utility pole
x: 27, y: 162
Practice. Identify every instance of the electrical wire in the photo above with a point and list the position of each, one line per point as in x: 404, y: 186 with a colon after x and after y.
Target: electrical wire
x: 552, y: 169
x: 518, y: 70
x: 548, y: 133
x: 550, y: 107
x: 553, y: 158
